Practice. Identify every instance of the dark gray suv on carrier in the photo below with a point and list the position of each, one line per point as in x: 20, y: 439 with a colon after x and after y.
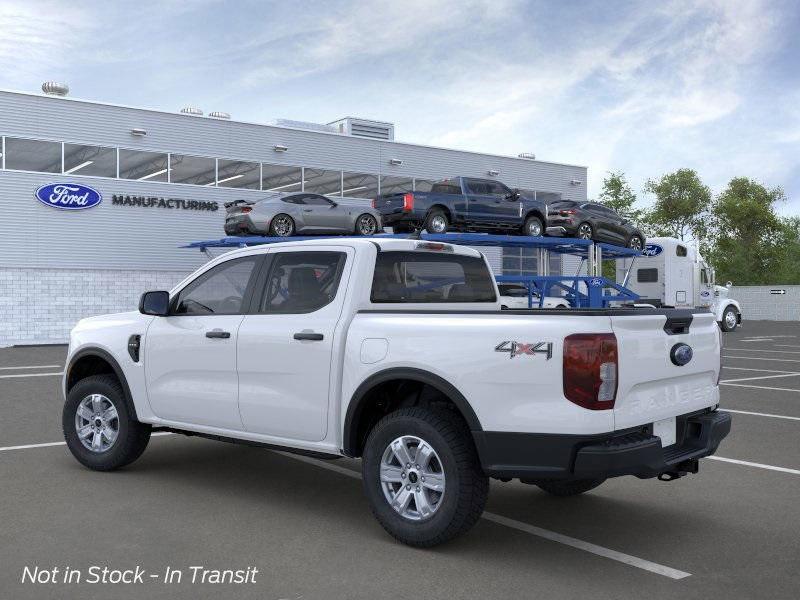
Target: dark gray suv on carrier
x: 593, y: 221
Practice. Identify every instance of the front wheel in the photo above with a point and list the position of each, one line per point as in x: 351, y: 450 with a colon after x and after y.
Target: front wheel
x: 533, y: 227
x: 99, y: 428
x: 571, y: 487
x: 730, y: 319
x: 366, y: 224
x: 422, y: 476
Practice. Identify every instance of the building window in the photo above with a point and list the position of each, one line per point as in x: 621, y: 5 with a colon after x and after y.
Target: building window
x: 196, y: 170
x: 33, y: 155
x: 97, y: 161
x: 143, y: 166
x: 279, y: 178
x: 396, y: 185
x: 321, y: 181
x: 359, y: 185
x: 238, y: 174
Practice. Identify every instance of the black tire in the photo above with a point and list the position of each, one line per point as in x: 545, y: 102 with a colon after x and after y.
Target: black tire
x: 359, y: 229
x: 533, y: 224
x: 585, y: 227
x: 727, y: 318
x: 635, y: 242
x: 466, y: 486
x: 132, y: 436
x: 277, y: 220
x: 571, y: 487
x: 433, y: 220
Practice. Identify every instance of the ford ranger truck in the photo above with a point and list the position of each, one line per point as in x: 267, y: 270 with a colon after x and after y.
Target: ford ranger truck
x: 465, y: 204
x: 397, y: 352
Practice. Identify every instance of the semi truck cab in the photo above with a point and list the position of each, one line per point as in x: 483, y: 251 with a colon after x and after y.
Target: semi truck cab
x: 671, y: 273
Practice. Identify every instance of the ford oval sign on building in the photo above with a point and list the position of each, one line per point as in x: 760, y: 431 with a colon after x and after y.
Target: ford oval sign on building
x: 68, y: 196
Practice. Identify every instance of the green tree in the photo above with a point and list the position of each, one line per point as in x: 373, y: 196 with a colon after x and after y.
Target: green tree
x: 751, y: 244
x: 681, y: 206
x: 618, y: 195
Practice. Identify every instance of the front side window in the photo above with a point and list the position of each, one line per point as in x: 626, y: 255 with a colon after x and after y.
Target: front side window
x: 497, y: 189
x: 315, y: 200
x: 427, y: 277
x: 218, y: 291
x: 681, y: 251
x: 478, y: 187
x: 302, y: 282
x: 33, y: 155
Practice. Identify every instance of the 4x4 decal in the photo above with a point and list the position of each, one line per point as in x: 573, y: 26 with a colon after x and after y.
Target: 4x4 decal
x: 518, y: 348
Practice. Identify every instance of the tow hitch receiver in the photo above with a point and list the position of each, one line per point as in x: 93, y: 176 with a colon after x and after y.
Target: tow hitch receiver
x: 681, y: 469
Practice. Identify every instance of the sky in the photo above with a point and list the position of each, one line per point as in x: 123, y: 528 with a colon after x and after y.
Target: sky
x: 639, y: 87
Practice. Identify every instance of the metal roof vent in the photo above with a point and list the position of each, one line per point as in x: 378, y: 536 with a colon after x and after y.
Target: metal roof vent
x: 527, y: 155
x: 191, y: 110
x: 303, y: 125
x: 219, y: 115
x: 53, y: 88
x: 375, y: 130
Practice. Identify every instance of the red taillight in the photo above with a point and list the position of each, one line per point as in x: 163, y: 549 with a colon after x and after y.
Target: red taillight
x: 571, y: 211
x: 374, y: 202
x: 408, y: 202
x: 590, y: 370
x: 246, y: 209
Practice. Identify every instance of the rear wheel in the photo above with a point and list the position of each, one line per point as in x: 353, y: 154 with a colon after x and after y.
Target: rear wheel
x: 571, y: 487
x: 99, y: 427
x: 585, y: 231
x: 366, y: 224
x: 422, y: 476
x: 533, y: 227
x: 437, y: 221
x: 635, y: 242
x: 730, y: 319
x: 282, y: 226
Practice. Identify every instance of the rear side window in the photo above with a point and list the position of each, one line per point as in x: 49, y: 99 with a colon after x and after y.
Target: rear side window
x: 302, y: 282
x: 446, y: 187
x: 647, y: 275
x: 427, y: 277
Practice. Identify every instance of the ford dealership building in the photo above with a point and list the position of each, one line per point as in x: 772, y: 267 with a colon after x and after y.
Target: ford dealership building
x: 97, y: 198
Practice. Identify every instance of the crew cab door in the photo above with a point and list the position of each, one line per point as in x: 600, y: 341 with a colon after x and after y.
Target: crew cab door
x: 480, y: 201
x: 285, y: 345
x: 190, y: 355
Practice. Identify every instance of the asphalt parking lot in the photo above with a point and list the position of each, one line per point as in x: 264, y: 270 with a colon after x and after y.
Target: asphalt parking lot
x: 732, y: 531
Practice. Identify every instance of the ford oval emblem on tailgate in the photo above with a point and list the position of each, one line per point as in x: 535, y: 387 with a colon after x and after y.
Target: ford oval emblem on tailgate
x: 681, y: 354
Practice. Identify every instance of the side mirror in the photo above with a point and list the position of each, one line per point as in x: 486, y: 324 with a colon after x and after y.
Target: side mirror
x: 729, y: 284
x: 154, y: 303
x: 334, y: 204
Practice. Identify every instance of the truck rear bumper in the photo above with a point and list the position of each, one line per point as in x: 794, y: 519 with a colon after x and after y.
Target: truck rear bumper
x: 532, y: 456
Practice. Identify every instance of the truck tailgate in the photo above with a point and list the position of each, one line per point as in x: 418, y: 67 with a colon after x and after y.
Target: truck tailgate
x: 651, y: 386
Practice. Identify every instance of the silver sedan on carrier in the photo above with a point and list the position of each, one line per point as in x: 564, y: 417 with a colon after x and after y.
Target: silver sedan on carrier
x: 302, y: 213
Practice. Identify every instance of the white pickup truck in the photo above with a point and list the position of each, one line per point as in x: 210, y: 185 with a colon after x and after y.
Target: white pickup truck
x: 397, y: 351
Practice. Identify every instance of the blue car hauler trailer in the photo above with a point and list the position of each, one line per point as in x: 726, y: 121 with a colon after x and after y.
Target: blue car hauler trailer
x: 581, y: 291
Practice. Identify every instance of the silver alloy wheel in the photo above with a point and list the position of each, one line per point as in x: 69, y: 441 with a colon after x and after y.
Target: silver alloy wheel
x: 367, y: 225
x: 635, y: 243
x: 534, y: 228
x: 438, y: 224
x: 282, y: 226
x: 585, y: 231
x: 730, y: 319
x: 97, y: 423
x: 412, y: 478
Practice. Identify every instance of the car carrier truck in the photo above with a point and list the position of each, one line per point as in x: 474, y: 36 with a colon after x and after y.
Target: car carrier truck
x: 670, y: 273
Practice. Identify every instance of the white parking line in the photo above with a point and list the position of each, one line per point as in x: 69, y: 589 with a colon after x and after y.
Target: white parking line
x: 760, y: 350
x: 752, y: 369
x: 792, y: 360
x: 757, y: 414
x: 31, y: 375
x: 49, y: 444
x: 633, y: 561
x: 760, y: 377
x: 32, y: 367
x: 759, y: 387
x: 758, y: 465
x: 786, y: 346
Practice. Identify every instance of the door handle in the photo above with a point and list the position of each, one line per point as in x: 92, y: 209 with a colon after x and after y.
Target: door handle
x: 307, y: 335
x: 307, y: 210
x: 218, y: 334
